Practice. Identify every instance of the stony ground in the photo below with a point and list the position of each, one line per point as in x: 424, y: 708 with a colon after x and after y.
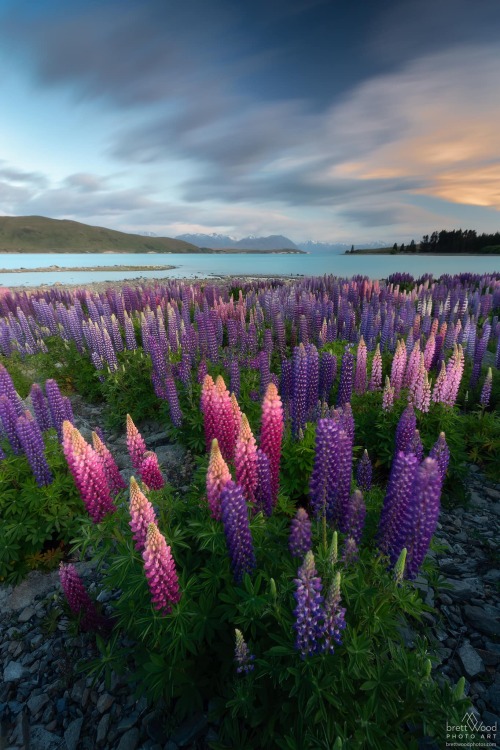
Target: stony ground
x: 47, y: 704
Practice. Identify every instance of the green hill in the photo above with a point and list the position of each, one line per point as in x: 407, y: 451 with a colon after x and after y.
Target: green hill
x: 38, y: 234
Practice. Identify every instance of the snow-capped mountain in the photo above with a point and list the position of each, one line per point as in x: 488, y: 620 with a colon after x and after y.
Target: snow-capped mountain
x: 313, y: 246
x: 252, y: 242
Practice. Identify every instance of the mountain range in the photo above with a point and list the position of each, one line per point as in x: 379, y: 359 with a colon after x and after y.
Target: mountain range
x: 273, y: 242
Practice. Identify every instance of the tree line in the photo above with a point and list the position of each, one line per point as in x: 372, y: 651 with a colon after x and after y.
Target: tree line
x: 454, y: 241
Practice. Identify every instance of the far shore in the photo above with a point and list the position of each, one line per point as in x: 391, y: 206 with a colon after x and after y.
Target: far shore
x: 420, y: 255
x: 63, y: 269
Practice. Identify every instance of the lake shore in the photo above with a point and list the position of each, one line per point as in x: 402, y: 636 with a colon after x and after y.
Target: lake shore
x: 63, y: 269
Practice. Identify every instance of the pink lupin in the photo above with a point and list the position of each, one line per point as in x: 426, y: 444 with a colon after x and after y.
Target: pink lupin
x: 88, y: 472
x: 141, y: 514
x: 429, y: 350
x: 398, y: 368
x: 135, y: 444
x: 271, y: 434
x: 150, y: 471
x: 115, y: 479
x: 360, y: 374
x: 411, y: 372
x: 388, y: 395
x: 376, y: 373
x: 439, y: 390
x: 217, y: 477
x: 245, y: 460
x: 159, y: 567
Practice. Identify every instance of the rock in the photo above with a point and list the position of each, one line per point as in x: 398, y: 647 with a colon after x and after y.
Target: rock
x: 15, y: 671
x: 26, y: 614
x: 129, y: 740
x: 490, y: 658
x: 492, y: 576
x: 43, y: 740
x: 35, y: 585
x: 463, y: 590
x: 493, y: 697
x: 481, y: 620
x: 102, y: 729
x: 37, y: 702
x: 72, y: 734
x: 471, y: 661
x: 128, y: 721
x: 105, y: 702
x: 189, y: 730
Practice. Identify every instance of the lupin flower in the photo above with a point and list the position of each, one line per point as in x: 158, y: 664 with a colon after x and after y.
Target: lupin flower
x: 405, y: 430
x: 226, y: 420
x: 9, y: 417
x: 217, y: 477
x: 40, y: 407
x: 360, y: 375
x: 392, y: 532
x: 416, y: 446
x: 309, y: 615
x: 242, y: 655
x: 364, y: 473
x: 356, y: 513
x: 441, y: 453
x: 135, y: 444
x: 376, y: 373
x: 426, y: 493
x: 150, y: 471
x: 398, y: 368
x: 388, y: 395
x: 263, y: 491
x: 486, y: 391
x: 333, y: 554
x: 88, y: 472
x: 57, y: 406
x: 237, y: 530
x: 31, y: 439
x: 115, y: 479
x: 439, y: 390
x: 141, y: 514
x: 173, y: 401
x: 271, y: 434
x: 159, y: 567
x: 346, y: 371
x: 245, y: 460
x: 300, y: 540
x: 350, y: 552
x: 400, y: 565
x: 79, y: 600
x: 334, y: 616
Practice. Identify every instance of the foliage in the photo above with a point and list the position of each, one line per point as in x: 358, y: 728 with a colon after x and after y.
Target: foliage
x: 186, y: 658
x: 35, y: 520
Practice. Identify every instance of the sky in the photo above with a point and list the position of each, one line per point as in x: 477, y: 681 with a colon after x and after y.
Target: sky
x: 332, y: 120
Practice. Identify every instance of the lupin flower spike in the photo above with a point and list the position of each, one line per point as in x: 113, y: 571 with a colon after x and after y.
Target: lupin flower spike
x: 300, y: 534
x: 217, y: 477
x: 79, y: 601
x: 333, y: 554
x: 242, y: 655
x: 399, y: 567
x: 159, y: 567
x: 135, y: 444
x: 115, y: 479
x: 141, y: 514
x: 309, y: 615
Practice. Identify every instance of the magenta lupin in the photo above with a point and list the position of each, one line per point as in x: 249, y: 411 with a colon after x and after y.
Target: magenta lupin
x: 79, y: 600
x: 159, y: 567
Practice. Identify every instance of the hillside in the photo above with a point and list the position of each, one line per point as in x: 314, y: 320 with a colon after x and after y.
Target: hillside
x: 38, y: 234
x: 248, y: 244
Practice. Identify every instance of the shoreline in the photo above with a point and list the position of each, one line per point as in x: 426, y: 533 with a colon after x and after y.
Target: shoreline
x: 423, y: 255
x: 68, y: 269
x: 98, y: 286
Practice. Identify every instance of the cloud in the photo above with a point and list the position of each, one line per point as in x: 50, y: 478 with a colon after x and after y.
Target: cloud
x: 17, y: 176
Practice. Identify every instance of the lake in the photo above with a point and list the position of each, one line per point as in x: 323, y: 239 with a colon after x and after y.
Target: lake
x: 199, y: 265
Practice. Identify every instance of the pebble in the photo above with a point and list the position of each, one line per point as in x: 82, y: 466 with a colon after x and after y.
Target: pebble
x: 471, y: 661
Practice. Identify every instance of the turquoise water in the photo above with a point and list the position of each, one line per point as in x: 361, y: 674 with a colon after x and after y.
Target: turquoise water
x: 192, y: 266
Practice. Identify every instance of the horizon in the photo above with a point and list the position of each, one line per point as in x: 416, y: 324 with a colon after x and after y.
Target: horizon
x: 340, y: 125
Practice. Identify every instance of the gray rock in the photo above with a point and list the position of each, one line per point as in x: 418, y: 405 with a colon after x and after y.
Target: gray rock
x: 463, y: 589
x: 189, y: 730
x: 129, y: 740
x: 105, y: 702
x: 481, y: 620
x: 72, y: 734
x: 26, y: 614
x: 492, y: 576
x: 493, y: 697
x: 15, y: 671
x: 102, y: 729
x: 37, y: 702
x: 471, y: 661
x: 35, y: 585
x: 128, y: 721
x: 43, y: 740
